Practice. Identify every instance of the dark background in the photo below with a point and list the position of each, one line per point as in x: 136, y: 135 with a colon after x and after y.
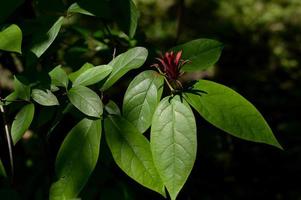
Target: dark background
x: 261, y: 60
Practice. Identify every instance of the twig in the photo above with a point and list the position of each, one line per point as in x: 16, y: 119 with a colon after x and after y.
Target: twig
x: 8, y: 138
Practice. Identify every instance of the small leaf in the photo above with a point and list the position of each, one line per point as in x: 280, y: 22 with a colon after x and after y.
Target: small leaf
x: 141, y: 99
x: 42, y: 41
x: 10, y: 98
x: 131, y: 152
x: 132, y: 59
x: 229, y: 111
x: 173, y: 143
x: 11, y: 39
x: 86, y: 100
x: 202, y: 54
x: 59, y: 77
x: 76, y: 159
x: 44, y: 98
x: 93, y: 75
x: 112, y: 108
x: 22, y: 122
x: 22, y: 90
x: 75, y: 8
x: 2, y: 170
x: 77, y: 73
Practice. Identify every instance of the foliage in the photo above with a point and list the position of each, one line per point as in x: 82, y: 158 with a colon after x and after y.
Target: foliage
x: 154, y: 139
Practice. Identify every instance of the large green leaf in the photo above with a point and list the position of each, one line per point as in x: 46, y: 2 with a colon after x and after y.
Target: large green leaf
x: 43, y: 40
x: 8, y: 7
x: 173, y: 143
x: 229, y: 111
x: 11, y: 39
x: 76, y: 159
x: 22, y: 122
x: 59, y: 77
x: 77, y: 73
x: 86, y: 100
x: 45, y: 98
x: 202, y: 54
x: 131, y: 151
x: 22, y: 90
x: 123, y: 63
x: 2, y: 169
x: 93, y: 75
x: 141, y: 99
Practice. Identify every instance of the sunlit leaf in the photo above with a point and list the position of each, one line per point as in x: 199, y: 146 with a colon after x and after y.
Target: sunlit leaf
x: 86, y: 100
x: 59, y: 77
x: 132, y: 59
x: 131, y: 152
x: 141, y: 99
x: 77, y: 73
x: 173, y: 143
x: 229, y: 111
x: 44, y: 97
x: 11, y: 39
x: 93, y: 75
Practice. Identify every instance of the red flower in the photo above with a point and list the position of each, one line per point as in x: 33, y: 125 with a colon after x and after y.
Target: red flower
x: 170, y: 66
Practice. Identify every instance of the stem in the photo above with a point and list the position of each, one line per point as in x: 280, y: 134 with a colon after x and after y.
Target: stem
x: 167, y: 82
x: 8, y: 138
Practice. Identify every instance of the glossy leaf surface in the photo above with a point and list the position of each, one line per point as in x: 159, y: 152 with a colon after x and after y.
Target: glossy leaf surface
x: 201, y: 53
x: 131, y: 152
x: 141, y: 99
x: 132, y: 59
x: 229, y: 111
x: 76, y: 159
x: 173, y: 143
x: 44, y: 97
x: 22, y: 122
x: 86, y: 100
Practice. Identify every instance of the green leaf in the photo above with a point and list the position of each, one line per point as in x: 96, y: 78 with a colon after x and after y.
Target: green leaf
x: 44, y: 98
x: 112, y: 108
x: 59, y: 77
x: 8, y: 7
x: 77, y: 73
x: 132, y: 59
x: 141, y: 99
x: 86, y: 100
x: 202, y: 54
x: 93, y: 75
x: 76, y: 159
x: 22, y: 122
x: 131, y: 152
x: 11, y: 39
x: 75, y: 8
x: 173, y: 143
x: 229, y: 111
x: 42, y: 41
x: 22, y: 90
x: 2, y: 170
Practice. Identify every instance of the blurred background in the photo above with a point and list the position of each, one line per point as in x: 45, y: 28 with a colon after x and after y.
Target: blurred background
x: 261, y: 60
